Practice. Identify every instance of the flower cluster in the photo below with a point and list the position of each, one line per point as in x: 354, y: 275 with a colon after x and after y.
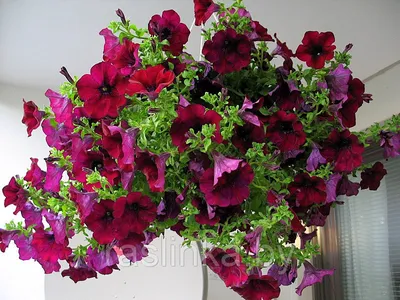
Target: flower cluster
x: 241, y: 150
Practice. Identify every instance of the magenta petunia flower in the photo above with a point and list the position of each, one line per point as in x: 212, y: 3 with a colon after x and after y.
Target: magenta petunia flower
x: 133, y: 247
x: 228, y: 51
x: 32, y: 116
x: 127, y: 58
x: 58, y: 225
x: 53, y: 177
x: 285, y: 275
x: 253, y: 239
x: 312, y: 276
x: 102, y: 91
x: 150, y: 81
x: 259, y: 288
x: 250, y: 112
x: 169, y: 27
x: 14, y: 195
x: 49, y: 251
x: 193, y: 117
x: 6, y: 236
x: 344, y: 150
x: 133, y: 213
x: 316, y: 48
x: 228, y: 183
x: 101, y: 222
x: 227, y: 265
x: 390, y: 142
x: 84, y: 200
x: 111, y: 44
x: 25, y: 249
x: 153, y: 167
x: 32, y: 216
x: 35, y: 175
x: 203, y: 10
x: 308, y: 190
x: 338, y: 83
x: 58, y: 136
x: 371, y: 177
x: 169, y: 207
x: 286, y: 131
x: 246, y: 135
x: 78, y: 270
x: 62, y: 108
x: 315, y: 159
x: 104, y: 261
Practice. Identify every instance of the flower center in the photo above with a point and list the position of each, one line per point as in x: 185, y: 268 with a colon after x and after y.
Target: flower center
x: 344, y: 143
x: 97, y: 165
x: 317, y: 50
x: 165, y: 34
x: 105, y: 89
x: 286, y: 127
x: 134, y: 207
x: 229, y: 46
x: 108, y: 216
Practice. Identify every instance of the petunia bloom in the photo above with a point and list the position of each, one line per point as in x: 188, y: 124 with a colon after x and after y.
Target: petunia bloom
x: 15, y: 195
x: 285, y: 275
x: 246, y: 135
x: 338, y: 83
x: 78, y: 270
x: 102, y: 91
x: 53, y: 177
x: 228, y: 183
x: 32, y: 216
x: 104, y: 261
x: 203, y: 10
x: 312, y: 276
x: 211, y: 215
x: 32, y: 116
x: 343, y: 150
x: 150, y: 81
x: 6, y: 236
x: 127, y: 58
x: 62, y: 108
x: 168, y: 208
x: 390, y: 142
x: 253, y: 239
x: 315, y: 159
x: 133, y: 247
x: 133, y: 213
x: 286, y: 131
x: 308, y: 190
x: 227, y: 265
x: 35, y: 175
x: 371, y: 177
x: 228, y: 51
x: 316, y: 48
x: 111, y: 44
x: 259, y: 288
x: 169, y: 27
x: 193, y: 117
x: 85, y: 202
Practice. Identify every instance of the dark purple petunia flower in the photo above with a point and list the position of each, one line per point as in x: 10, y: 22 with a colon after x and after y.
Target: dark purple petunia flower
x: 228, y: 183
x: 318, y: 216
x: 133, y: 213
x: 15, y: 195
x: 32, y: 116
x: 35, y: 175
x: 53, y: 178
x: 228, y: 51
x: 287, y: 96
x: 153, y: 167
x: 259, y: 288
x: 58, y: 225
x: 306, y: 237
x: 283, y: 50
x: 227, y: 265
x: 84, y: 200
x: 347, y: 187
x: 198, y: 164
x: 78, y: 270
x: 249, y: 111
x: 338, y: 83
x: 168, y: 208
x: 169, y: 27
x: 315, y: 159
x: 312, y: 276
x: 390, y: 142
x: 6, y: 236
x: 308, y: 190
x: 331, y: 187
x: 371, y: 177
x: 58, y: 135
x: 253, y: 239
x: 25, y: 249
x: 133, y: 247
x: 62, y: 108
x: 285, y: 275
x: 32, y: 216
x: 246, y: 135
x: 104, y: 262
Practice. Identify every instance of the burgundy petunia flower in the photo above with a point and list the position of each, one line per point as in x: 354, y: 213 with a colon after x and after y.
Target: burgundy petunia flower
x: 101, y: 222
x: 283, y: 50
x: 133, y: 213
x: 347, y: 112
x: 203, y: 10
x: 62, y: 108
x: 286, y: 131
x: 253, y: 239
x: 32, y: 216
x: 228, y: 183
x: 295, y: 223
x: 227, y: 265
x: 287, y: 96
x: 133, y: 247
x: 356, y: 90
x: 274, y: 199
x: 169, y: 27
x: 102, y: 91
x: 104, y: 262
x: 285, y: 275
x: 35, y: 175
x: 259, y: 288
x: 316, y: 48
x: 49, y: 252
x: 390, y: 142
x: 127, y: 58
x: 338, y: 83
x: 312, y: 276
x: 14, y: 195
x: 53, y: 177
x: 193, y: 117
x: 259, y: 33
x: 315, y: 159
x: 175, y: 65
x: 150, y: 81
x: 111, y: 44
x: 344, y: 150
x: 153, y: 167
x: 6, y: 236
x: 228, y: 51
x: 198, y: 164
x: 84, y: 200
x: 32, y: 116
x: 371, y: 177
x: 168, y: 208
x: 246, y: 135
x: 308, y: 190
x: 120, y: 144
x: 211, y: 215
x: 78, y: 270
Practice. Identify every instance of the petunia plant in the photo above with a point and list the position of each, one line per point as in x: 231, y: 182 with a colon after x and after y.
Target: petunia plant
x: 247, y: 149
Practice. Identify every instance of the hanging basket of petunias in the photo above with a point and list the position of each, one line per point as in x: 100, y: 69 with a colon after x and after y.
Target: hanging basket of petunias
x: 243, y: 150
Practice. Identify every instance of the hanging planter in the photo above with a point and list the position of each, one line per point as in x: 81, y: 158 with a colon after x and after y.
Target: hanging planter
x: 244, y: 150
